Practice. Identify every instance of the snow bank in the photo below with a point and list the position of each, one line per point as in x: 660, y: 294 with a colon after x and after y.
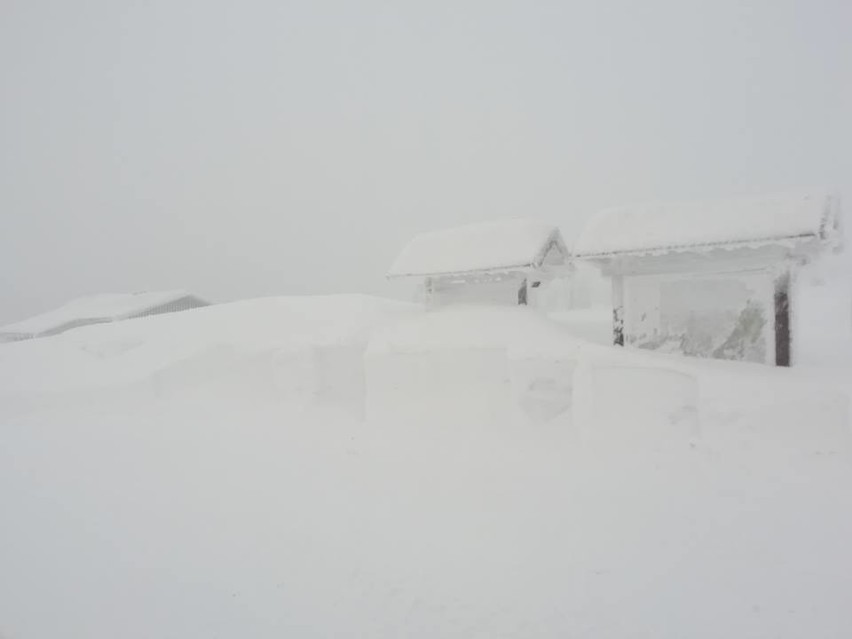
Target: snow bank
x: 632, y: 406
x: 673, y: 400
x: 309, y: 347
x: 492, y: 365
x: 478, y: 371
x: 496, y: 368
x: 672, y: 498
x: 822, y: 313
x: 591, y: 324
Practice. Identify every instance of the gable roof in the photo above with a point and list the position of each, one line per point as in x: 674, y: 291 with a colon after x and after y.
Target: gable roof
x: 489, y: 246
x: 94, y: 309
x: 662, y: 228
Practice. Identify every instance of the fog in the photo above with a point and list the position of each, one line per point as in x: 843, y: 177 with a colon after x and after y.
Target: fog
x: 240, y: 149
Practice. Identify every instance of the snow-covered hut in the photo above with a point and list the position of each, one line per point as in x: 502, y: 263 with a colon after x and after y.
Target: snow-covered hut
x: 508, y: 262
x: 99, y: 309
x: 711, y: 279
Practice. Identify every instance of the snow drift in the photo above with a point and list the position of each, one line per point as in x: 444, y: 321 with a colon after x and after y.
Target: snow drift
x: 194, y: 475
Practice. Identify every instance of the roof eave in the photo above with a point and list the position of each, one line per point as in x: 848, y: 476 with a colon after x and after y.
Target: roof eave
x: 493, y: 269
x: 683, y: 248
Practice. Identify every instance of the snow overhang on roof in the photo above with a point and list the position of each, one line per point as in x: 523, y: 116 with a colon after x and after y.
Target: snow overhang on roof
x: 95, y: 308
x: 505, y: 245
x: 655, y: 229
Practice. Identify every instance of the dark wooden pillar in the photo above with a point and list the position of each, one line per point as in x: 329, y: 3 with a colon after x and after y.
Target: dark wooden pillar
x: 782, y: 321
x: 618, y: 310
x: 522, y: 294
x: 428, y: 291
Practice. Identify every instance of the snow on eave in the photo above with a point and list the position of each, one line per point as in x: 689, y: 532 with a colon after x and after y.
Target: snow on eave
x: 790, y: 241
x: 489, y: 271
x: 487, y: 248
x: 653, y: 229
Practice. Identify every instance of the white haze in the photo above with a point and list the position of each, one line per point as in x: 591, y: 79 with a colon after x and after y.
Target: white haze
x: 269, y: 147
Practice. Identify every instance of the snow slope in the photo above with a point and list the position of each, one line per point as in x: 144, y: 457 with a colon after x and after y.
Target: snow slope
x: 167, y: 477
x: 107, y: 355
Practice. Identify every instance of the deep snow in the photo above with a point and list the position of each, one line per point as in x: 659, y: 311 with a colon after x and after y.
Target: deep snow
x: 352, y: 467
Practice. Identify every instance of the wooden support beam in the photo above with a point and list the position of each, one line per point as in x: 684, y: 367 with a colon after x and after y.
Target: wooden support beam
x: 782, y: 320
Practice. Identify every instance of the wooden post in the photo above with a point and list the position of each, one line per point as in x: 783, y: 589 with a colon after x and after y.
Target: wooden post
x: 429, y: 292
x: 522, y: 294
x: 618, y: 310
x: 782, y: 320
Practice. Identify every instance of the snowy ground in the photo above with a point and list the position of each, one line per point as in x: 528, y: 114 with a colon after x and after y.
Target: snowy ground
x: 352, y: 467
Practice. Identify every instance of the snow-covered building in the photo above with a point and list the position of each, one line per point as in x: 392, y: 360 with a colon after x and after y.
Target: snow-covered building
x: 99, y: 309
x: 508, y: 262
x: 711, y: 279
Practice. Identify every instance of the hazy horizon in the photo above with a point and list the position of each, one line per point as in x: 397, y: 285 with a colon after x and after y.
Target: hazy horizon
x: 273, y: 148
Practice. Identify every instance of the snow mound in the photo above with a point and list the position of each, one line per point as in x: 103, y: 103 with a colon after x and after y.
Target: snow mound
x: 470, y: 327
x: 508, y: 481
x: 494, y: 366
x: 628, y: 406
x: 284, y: 344
x: 591, y: 324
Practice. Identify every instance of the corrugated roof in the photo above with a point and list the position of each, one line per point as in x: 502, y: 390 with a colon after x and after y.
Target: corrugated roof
x: 93, y: 308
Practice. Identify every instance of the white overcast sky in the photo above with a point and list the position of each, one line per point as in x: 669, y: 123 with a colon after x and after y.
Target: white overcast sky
x: 257, y: 147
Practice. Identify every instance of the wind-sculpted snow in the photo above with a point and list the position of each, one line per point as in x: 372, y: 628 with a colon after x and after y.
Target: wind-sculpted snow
x: 216, y: 477
x: 267, y: 342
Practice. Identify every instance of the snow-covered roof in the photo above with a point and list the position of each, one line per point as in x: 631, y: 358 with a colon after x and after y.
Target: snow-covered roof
x: 660, y: 228
x: 93, y: 309
x: 488, y: 246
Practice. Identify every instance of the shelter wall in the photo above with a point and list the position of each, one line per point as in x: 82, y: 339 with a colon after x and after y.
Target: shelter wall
x: 550, y: 293
x: 727, y: 315
x: 501, y: 291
